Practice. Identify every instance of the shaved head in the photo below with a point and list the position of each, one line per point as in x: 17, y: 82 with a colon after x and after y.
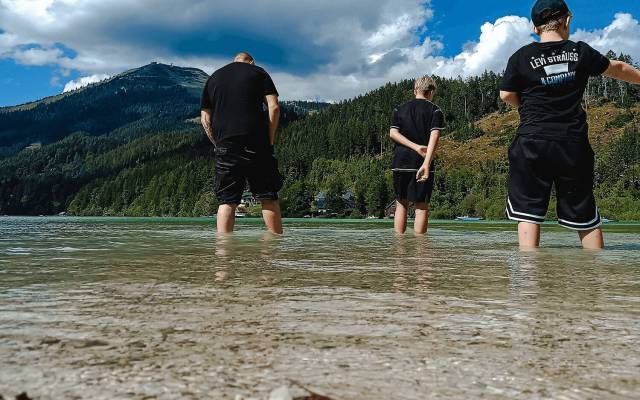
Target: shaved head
x: 244, y: 57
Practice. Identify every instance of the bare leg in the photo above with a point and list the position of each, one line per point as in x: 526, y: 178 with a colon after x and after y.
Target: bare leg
x: 400, y: 217
x: 528, y: 235
x: 592, y: 240
x: 272, y: 216
x: 226, y: 218
x: 422, y: 218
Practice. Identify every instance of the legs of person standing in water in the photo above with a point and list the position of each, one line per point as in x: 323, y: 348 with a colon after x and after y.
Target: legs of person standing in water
x: 592, y: 240
x: 270, y: 213
x: 528, y: 236
x: 422, y: 218
x: 226, y: 218
x: 272, y: 216
x: 400, y: 217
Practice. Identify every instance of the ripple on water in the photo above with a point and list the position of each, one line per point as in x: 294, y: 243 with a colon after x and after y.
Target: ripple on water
x: 18, y: 251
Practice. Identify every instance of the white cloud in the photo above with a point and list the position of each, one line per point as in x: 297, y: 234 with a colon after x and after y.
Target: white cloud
x: 496, y: 44
x: 622, y: 35
x: 7, y: 43
x: 498, y: 41
x: 331, y: 49
x: 84, y: 81
x: 37, y: 56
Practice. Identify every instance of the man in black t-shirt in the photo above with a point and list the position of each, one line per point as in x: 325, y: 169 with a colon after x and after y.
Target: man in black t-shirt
x: 234, y: 119
x: 415, y: 128
x: 546, y: 80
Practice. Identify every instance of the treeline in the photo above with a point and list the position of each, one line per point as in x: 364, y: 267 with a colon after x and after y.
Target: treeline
x: 105, y: 173
x: 172, y: 175
x: 603, y: 89
x: 114, y: 174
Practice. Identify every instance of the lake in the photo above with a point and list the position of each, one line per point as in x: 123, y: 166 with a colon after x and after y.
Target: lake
x: 106, y: 308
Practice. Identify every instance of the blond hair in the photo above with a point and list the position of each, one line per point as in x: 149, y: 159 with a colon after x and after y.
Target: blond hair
x: 553, y: 25
x: 425, y: 84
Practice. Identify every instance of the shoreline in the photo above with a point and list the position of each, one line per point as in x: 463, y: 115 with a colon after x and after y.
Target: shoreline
x: 617, y: 226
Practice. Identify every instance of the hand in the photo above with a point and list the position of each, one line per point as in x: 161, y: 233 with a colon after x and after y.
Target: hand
x: 422, y: 150
x: 423, y: 173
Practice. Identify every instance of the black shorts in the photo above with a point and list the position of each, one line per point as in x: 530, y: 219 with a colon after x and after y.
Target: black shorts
x: 406, y: 187
x: 237, y: 165
x: 535, y: 165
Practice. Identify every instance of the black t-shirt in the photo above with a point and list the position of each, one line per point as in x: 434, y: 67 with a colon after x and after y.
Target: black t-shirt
x: 235, y: 95
x: 415, y: 120
x: 551, y: 78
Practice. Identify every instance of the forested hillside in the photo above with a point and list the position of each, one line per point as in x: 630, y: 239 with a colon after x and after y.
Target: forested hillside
x: 155, y: 160
x: 347, y: 149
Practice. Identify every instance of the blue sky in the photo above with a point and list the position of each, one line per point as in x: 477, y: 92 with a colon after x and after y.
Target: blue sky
x: 458, y: 21
x: 329, y: 50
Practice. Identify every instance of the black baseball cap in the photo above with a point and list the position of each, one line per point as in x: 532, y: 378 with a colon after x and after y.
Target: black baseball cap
x: 548, y: 10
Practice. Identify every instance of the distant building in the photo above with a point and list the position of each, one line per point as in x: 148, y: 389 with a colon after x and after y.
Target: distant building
x: 34, y: 146
x: 320, y: 202
x: 349, y: 199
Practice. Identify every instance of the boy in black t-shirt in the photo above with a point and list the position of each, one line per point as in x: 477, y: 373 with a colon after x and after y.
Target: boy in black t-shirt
x: 415, y: 129
x: 546, y: 80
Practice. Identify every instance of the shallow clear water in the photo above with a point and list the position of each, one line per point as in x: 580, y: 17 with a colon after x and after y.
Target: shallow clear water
x: 121, y: 308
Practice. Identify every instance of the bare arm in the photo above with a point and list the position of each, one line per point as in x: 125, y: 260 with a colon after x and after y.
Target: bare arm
x: 622, y: 71
x: 274, y: 116
x: 205, y: 119
x: 399, y: 138
x: 423, y: 172
x: 433, y: 147
x: 511, y: 98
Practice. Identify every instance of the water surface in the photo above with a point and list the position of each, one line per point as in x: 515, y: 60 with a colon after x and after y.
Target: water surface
x: 153, y: 308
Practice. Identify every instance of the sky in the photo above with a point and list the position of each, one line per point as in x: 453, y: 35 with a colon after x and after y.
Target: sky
x: 327, y: 50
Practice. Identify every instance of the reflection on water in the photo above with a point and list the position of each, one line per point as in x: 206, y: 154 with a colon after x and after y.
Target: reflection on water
x: 129, y: 309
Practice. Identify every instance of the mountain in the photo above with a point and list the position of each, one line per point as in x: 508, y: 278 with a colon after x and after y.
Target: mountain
x: 155, y: 96
x: 132, y: 146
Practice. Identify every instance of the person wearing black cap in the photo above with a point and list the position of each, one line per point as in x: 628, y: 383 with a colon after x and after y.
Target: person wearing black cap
x: 546, y: 81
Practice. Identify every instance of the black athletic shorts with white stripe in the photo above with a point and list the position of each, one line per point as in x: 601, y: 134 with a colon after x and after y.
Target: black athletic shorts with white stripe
x: 535, y: 164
